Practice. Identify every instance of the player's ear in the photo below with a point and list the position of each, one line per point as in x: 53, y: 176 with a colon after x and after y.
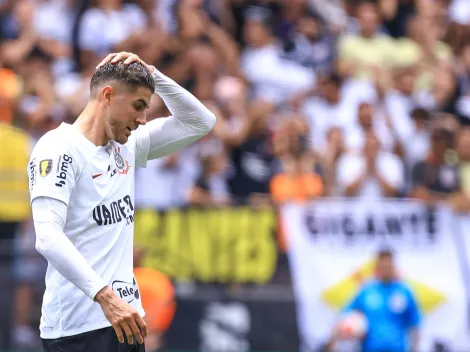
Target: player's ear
x: 107, y: 93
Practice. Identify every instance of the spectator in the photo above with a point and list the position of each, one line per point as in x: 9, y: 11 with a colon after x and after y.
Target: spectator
x: 372, y: 173
x: 425, y: 47
x: 72, y: 89
x: 200, y: 51
x: 55, y: 37
x: 37, y: 108
x: 310, y: 45
x: 396, y: 14
x: 335, y: 149
x: 369, y: 121
x: 334, y: 106
x: 160, y: 14
x: 124, y: 23
x: 443, y: 94
x: 211, y: 188
x: 298, y: 182
x: 360, y: 54
x: 399, y: 102
x: 166, y: 179
x: 19, y: 37
x: 253, y: 159
x: 291, y: 13
x: 390, y: 308
x: 333, y: 12
x: 272, y: 79
x: 236, y: 14
x: 436, y: 178
x: 417, y: 147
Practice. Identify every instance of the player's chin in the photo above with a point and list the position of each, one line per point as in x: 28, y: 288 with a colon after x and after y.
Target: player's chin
x: 126, y: 134
x: 123, y: 138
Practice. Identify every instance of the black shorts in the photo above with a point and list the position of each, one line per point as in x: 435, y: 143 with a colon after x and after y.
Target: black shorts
x: 102, y: 340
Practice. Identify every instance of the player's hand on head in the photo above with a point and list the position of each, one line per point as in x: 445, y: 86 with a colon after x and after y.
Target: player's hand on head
x: 125, y: 320
x: 128, y: 58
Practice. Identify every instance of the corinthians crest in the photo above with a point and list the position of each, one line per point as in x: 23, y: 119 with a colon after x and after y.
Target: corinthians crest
x: 118, y: 158
x: 121, y: 164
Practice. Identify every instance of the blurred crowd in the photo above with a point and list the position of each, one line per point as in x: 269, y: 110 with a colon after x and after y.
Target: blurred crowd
x: 314, y: 98
x: 345, y: 98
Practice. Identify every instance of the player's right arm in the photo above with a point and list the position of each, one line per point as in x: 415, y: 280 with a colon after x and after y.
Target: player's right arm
x: 51, y: 188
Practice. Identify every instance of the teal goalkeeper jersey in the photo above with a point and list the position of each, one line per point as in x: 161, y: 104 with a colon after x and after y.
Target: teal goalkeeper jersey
x: 391, y: 312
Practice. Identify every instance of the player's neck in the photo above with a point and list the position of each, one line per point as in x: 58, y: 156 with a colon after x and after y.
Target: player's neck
x: 92, y: 123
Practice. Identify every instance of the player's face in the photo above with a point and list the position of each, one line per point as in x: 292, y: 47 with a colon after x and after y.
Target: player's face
x: 385, y: 269
x: 128, y: 111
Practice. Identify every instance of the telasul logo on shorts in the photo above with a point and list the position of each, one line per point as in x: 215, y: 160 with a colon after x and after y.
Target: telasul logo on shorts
x: 62, y: 168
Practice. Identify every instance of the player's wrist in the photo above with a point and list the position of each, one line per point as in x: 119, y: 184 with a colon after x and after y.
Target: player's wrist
x: 104, y: 295
x: 151, y: 69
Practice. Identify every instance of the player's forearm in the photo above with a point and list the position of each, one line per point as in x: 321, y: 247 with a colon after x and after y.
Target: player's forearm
x: 55, y: 246
x: 190, y: 120
x: 184, y: 106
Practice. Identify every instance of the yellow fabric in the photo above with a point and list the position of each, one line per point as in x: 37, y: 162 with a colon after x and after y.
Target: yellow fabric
x: 409, y: 53
x: 14, y: 195
x: 366, y: 53
x: 465, y: 177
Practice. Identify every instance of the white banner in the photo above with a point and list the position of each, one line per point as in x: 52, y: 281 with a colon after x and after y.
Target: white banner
x: 332, y: 247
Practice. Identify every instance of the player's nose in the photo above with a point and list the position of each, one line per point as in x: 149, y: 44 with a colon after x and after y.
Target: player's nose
x: 142, y: 119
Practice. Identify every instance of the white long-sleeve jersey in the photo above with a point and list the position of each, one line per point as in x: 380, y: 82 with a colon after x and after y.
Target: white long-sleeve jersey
x: 83, y: 204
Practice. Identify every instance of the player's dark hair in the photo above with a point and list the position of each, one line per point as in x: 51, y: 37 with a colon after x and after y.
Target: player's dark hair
x: 385, y: 254
x: 134, y: 76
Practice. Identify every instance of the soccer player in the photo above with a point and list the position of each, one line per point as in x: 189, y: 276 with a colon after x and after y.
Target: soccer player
x: 390, y: 308
x: 82, y: 192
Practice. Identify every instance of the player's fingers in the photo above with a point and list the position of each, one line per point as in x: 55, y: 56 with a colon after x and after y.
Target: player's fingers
x: 128, y: 332
x: 106, y: 60
x: 136, y: 331
x: 142, y: 325
x: 118, y: 331
x: 131, y: 59
x: 120, y: 56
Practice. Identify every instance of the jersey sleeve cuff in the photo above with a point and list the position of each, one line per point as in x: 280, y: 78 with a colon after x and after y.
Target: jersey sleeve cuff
x: 95, y: 287
x: 48, y: 194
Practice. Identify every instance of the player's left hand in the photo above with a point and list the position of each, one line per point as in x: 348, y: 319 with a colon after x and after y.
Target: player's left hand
x: 127, y: 57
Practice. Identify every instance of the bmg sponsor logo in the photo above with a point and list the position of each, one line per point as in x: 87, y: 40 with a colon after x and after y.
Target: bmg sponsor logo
x: 62, y: 168
x: 32, y: 173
